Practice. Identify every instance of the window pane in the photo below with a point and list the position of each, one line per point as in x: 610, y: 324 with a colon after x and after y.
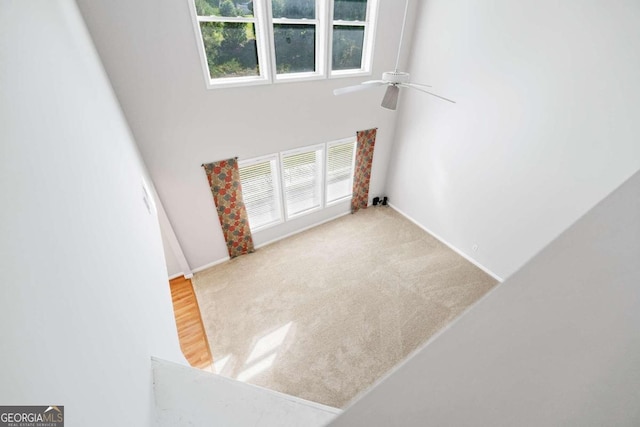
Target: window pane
x: 347, y: 47
x: 302, y: 181
x: 293, y: 9
x: 223, y: 8
x: 260, y: 193
x: 231, y: 49
x: 350, y: 10
x: 295, y: 48
x: 339, y: 171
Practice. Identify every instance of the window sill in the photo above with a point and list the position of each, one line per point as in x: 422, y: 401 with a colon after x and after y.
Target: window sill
x: 349, y: 73
x: 267, y: 226
x: 235, y: 82
x: 338, y: 201
x: 283, y: 78
x: 298, y: 77
x: 303, y: 213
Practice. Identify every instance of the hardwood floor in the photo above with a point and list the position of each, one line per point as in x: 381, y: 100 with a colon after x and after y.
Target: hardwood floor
x: 191, y: 333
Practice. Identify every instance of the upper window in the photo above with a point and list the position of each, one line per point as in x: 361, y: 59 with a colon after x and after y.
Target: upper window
x: 232, y: 43
x: 349, y: 31
x: 261, y: 41
x: 295, y: 36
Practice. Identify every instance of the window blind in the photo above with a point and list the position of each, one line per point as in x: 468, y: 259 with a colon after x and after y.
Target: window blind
x: 302, y: 177
x: 339, y: 170
x: 261, y: 193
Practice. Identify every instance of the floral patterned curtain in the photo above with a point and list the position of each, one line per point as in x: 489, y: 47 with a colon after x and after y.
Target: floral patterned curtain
x: 366, y: 140
x: 224, y: 180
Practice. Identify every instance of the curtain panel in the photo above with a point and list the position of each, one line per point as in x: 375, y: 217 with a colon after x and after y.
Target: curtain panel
x: 224, y: 181
x: 366, y: 140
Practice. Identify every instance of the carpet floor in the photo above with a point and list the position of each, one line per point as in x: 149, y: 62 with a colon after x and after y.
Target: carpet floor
x: 326, y: 313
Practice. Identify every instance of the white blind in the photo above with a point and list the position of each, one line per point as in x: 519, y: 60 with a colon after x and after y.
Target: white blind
x: 302, y: 177
x: 339, y: 170
x: 260, y: 193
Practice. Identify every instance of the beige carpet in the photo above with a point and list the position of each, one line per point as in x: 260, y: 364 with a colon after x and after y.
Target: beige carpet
x: 324, y: 314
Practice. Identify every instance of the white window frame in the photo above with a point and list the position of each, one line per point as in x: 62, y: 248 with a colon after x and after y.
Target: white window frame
x: 326, y: 167
x: 261, y: 46
x: 279, y: 178
x: 320, y: 44
x: 321, y: 175
x: 276, y: 174
x: 370, y: 25
x: 263, y: 22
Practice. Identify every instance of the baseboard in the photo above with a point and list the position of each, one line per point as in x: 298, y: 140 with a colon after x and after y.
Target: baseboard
x: 301, y: 230
x: 449, y: 245
x: 225, y: 259
x: 186, y: 276
x: 211, y: 264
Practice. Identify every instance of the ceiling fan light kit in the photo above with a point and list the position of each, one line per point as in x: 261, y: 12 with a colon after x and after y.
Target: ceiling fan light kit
x: 395, y: 77
x: 390, y: 100
x: 394, y: 80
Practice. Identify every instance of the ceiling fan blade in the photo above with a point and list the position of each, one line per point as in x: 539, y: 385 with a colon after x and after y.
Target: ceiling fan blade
x: 413, y: 86
x: 362, y: 86
x: 417, y: 84
x: 390, y: 100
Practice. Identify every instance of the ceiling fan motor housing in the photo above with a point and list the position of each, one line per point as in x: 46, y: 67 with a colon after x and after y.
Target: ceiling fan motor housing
x: 395, y: 77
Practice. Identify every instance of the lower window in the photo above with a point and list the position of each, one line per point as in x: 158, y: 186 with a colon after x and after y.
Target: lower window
x: 302, y: 181
x: 261, y: 191
x: 339, y: 179
x: 280, y: 187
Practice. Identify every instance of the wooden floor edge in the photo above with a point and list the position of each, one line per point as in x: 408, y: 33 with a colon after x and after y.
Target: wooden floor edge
x: 194, y: 344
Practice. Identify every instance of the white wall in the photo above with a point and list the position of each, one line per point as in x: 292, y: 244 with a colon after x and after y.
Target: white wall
x: 149, y: 51
x: 557, y: 344
x: 190, y: 397
x: 177, y: 264
x: 84, y: 300
x: 173, y: 268
x: 546, y: 122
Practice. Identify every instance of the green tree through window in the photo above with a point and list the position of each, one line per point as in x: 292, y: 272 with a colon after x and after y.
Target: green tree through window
x: 230, y: 47
x: 293, y: 41
x: 294, y: 34
x: 349, y: 17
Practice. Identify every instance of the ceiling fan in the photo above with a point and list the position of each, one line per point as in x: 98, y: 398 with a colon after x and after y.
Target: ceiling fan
x: 394, y: 80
